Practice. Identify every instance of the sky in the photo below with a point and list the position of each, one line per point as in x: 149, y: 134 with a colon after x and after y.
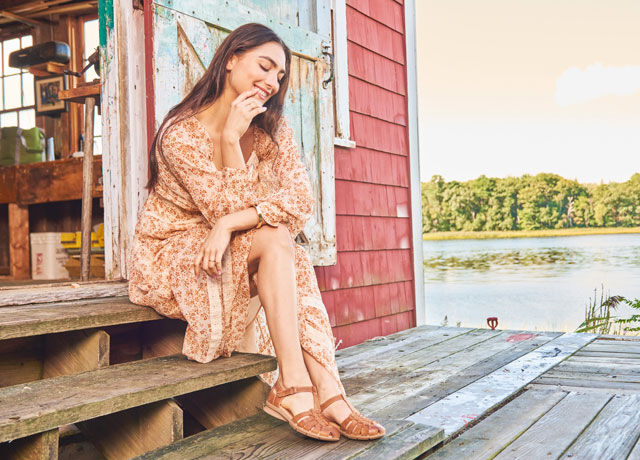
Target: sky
x: 512, y: 87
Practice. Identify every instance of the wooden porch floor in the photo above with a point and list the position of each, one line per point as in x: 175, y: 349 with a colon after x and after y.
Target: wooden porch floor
x: 453, y: 393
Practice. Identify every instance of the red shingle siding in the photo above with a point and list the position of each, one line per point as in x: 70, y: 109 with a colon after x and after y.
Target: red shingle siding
x: 369, y: 292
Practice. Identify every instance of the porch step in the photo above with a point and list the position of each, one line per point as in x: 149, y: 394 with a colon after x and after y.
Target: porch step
x: 47, y: 318
x: 44, y: 405
x: 264, y: 437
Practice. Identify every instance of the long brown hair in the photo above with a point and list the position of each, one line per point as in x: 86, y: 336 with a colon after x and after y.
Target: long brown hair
x: 211, y: 85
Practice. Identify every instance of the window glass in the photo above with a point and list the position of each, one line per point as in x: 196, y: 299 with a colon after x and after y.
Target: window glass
x: 9, y: 119
x: 12, y: 92
x: 27, y: 90
x: 9, y: 46
x: 27, y: 119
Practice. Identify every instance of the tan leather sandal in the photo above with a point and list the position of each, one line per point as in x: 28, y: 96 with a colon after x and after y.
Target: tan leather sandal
x: 356, y: 425
x: 311, y: 422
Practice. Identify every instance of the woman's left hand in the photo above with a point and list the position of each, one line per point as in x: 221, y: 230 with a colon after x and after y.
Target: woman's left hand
x: 209, y: 257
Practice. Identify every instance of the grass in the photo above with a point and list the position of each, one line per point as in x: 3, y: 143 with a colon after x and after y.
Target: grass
x: 529, y: 233
x: 599, y: 318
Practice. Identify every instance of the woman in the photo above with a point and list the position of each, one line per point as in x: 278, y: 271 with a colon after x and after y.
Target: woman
x: 223, y: 163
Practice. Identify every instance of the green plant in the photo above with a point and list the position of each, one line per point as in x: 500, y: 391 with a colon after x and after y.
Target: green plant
x: 598, y: 317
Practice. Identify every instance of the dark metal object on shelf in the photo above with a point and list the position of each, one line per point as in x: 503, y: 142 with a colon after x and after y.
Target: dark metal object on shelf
x: 39, y: 54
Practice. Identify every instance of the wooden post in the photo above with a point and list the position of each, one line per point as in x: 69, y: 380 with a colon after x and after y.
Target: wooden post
x: 19, y: 241
x: 41, y: 446
x: 87, y: 188
x: 133, y: 432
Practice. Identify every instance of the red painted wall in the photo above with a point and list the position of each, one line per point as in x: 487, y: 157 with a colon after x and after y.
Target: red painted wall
x: 369, y: 292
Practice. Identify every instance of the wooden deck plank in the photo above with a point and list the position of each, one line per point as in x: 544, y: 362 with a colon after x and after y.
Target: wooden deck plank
x: 599, y: 376
x: 375, y: 346
x: 597, y: 367
x: 407, y: 384
x: 452, y: 412
x: 612, y: 385
x: 606, y: 354
x: 612, y: 434
x: 31, y: 320
x: 613, y: 347
x: 404, y: 445
x: 403, y: 350
x: 557, y: 429
x: 369, y: 385
x: 27, y: 409
x: 488, y: 437
x: 430, y: 394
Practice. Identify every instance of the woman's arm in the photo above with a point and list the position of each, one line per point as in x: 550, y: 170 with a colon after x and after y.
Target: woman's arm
x: 215, y: 193
x: 292, y: 204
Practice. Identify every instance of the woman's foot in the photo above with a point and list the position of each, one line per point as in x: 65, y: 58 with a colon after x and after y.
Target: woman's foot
x: 297, y: 404
x: 350, y: 421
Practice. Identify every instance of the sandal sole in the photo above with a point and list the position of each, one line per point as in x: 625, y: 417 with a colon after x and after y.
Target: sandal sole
x: 274, y: 412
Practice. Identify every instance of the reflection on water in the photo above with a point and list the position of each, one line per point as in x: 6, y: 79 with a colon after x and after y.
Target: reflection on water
x: 529, y: 283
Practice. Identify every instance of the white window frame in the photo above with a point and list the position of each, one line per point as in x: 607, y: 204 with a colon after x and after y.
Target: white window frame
x: 341, y: 75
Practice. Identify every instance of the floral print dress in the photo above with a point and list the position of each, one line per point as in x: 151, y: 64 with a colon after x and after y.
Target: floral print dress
x: 190, y: 195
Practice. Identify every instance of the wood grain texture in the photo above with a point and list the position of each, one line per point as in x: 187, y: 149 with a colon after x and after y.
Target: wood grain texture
x: 612, y: 434
x: 488, y: 437
x: 59, y: 180
x: 482, y: 395
x: 39, y: 406
x: 135, y: 431
x: 20, y: 263
x: 557, y: 429
x: 38, y: 319
x: 429, y: 394
x: 74, y: 352
x: 41, y: 446
x: 61, y: 292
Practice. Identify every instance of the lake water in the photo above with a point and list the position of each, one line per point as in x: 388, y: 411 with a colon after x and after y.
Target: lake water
x: 528, y: 283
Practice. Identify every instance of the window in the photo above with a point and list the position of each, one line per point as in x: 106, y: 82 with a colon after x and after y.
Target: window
x: 341, y: 74
x: 17, y: 101
x: 90, y: 41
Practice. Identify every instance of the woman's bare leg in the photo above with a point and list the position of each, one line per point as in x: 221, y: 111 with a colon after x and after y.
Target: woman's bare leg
x: 327, y: 388
x: 272, y: 254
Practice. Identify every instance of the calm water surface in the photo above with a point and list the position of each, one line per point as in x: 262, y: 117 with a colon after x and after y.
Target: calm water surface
x: 528, y: 283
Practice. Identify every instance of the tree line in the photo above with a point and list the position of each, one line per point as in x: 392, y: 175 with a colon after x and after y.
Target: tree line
x: 543, y: 201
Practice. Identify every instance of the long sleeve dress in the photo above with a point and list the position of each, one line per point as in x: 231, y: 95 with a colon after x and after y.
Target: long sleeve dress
x: 190, y: 195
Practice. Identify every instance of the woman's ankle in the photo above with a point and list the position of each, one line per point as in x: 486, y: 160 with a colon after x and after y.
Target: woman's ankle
x: 296, y: 379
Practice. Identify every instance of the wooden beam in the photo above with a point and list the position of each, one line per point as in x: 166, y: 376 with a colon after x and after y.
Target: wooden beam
x: 226, y: 403
x: 59, y: 180
x: 74, y: 352
x: 135, y: 431
x: 41, y: 446
x: 60, y: 292
x: 87, y: 188
x: 22, y: 19
x: 19, y: 241
x: 20, y: 360
x: 80, y: 93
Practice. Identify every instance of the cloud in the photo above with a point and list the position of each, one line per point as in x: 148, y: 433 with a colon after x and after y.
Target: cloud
x: 575, y: 85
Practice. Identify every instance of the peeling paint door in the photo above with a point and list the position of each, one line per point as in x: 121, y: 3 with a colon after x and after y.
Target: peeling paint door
x: 186, y: 35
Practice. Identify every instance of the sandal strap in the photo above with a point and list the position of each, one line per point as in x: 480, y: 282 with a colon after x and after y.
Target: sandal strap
x: 293, y: 390
x: 313, y: 421
x: 331, y: 400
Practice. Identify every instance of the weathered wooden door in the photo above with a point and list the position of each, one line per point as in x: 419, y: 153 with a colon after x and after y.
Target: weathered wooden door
x: 186, y: 34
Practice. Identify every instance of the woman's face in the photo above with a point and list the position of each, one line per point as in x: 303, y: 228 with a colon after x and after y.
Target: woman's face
x: 262, y: 67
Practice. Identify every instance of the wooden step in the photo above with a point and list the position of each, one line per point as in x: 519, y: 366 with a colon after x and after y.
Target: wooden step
x: 43, y: 405
x: 48, y: 318
x: 264, y: 437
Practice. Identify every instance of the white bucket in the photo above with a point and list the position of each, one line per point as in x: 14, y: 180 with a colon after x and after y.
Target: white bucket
x: 48, y: 256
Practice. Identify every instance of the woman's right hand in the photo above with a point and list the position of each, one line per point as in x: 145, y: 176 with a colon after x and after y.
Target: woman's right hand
x: 209, y: 256
x: 243, y: 109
